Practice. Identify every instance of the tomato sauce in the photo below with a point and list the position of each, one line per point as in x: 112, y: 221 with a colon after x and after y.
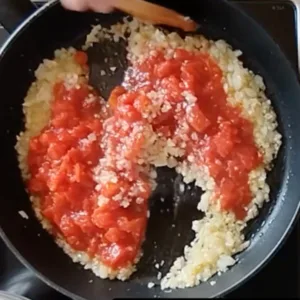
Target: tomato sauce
x: 106, y: 215
x: 213, y: 132
x: 61, y: 161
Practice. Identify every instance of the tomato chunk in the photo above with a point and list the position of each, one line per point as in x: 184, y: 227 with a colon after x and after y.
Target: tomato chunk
x: 113, y: 98
x: 167, y: 68
x: 197, y: 119
x: 81, y: 57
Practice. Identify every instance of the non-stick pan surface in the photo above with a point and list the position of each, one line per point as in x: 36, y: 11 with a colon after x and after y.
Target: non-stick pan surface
x: 52, y: 27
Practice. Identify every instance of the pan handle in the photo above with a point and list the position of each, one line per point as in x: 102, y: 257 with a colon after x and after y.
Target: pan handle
x: 13, y: 12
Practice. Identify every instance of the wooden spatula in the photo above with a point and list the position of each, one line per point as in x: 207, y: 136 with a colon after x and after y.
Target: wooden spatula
x: 155, y: 14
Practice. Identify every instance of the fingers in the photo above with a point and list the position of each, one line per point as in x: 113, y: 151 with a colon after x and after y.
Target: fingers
x: 76, y: 5
x: 104, y: 6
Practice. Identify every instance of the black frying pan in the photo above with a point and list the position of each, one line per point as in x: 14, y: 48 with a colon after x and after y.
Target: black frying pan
x: 53, y: 27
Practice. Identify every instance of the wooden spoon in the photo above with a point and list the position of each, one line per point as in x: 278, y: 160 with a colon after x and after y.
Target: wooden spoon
x: 155, y: 14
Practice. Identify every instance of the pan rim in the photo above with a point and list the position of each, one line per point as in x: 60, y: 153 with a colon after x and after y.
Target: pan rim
x: 248, y: 275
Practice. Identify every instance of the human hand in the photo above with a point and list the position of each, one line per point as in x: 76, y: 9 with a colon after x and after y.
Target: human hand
x: 104, y: 6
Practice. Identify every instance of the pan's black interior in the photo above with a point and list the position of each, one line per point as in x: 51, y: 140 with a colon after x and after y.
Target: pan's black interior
x: 165, y: 242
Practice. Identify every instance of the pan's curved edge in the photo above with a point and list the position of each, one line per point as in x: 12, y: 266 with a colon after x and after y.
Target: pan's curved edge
x: 24, y: 24
x: 224, y: 292
x: 3, y: 236
x: 259, y: 267
x: 40, y: 276
x: 296, y: 216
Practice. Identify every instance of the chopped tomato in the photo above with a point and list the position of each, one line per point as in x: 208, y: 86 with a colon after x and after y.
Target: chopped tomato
x: 113, y: 98
x: 127, y: 98
x: 115, y: 254
x: 134, y: 227
x: 104, y: 219
x: 172, y: 89
x: 134, y: 150
x: 110, y: 189
x: 142, y: 103
x: 196, y: 118
x: 167, y: 68
x: 182, y: 55
x: 115, y: 235
x: 128, y: 113
x: 81, y: 57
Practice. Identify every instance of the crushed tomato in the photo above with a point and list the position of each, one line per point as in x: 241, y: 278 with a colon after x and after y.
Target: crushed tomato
x: 63, y: 156
x: 61, y: 160
x: 217, y: 136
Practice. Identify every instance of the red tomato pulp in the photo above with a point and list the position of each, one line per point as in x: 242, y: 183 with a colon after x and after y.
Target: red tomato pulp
x: 216, y: 134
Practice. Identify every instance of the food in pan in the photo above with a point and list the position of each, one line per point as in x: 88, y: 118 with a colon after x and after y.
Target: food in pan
x: 90, y: 165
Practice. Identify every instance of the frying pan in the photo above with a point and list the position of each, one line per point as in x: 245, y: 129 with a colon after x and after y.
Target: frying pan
x: 52, y: 27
